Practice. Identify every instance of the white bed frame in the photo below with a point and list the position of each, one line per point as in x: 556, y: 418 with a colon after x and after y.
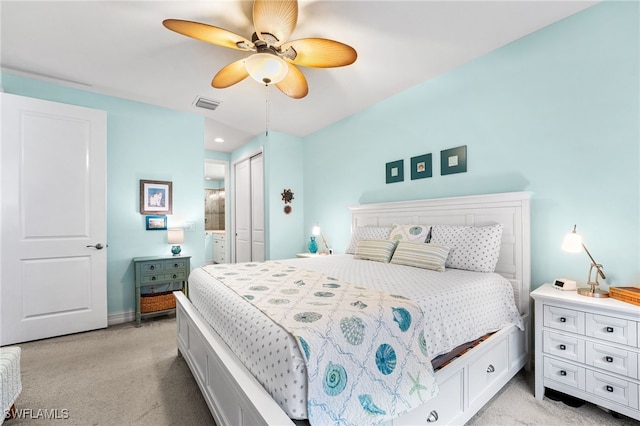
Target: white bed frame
x: 235, y: 397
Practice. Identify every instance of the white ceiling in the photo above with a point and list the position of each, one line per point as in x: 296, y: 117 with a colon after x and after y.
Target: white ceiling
x: 120, y: 48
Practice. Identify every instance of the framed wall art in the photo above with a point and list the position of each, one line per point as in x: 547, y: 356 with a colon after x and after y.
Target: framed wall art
x: 453, y: 160
x: 156, y: 223
x: 156, y: 197
x: 395, y: 171
x: 421, y: 167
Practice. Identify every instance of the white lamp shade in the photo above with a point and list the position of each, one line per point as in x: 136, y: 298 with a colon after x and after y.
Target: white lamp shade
x: 316, y: 230
x: 572, y: 243
x: 175, y: 236
x: 266, y: 68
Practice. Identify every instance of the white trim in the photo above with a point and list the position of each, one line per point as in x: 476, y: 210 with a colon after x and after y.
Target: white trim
x: 121, y: 317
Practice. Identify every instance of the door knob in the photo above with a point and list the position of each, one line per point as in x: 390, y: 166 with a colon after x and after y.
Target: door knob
x: 98, y: 246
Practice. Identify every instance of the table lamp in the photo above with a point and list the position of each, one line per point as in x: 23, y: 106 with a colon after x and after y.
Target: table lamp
x: 573, y: 244
x: 175, y: 237
x: 317, y: 232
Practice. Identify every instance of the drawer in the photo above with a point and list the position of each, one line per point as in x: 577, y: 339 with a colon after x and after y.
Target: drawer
x: 151, y: 266
x: 219, y: 237
x: 560, y: 345
x: 564, y: 319
x: 615, y: 360
x: 440, y: 410
x: 168, y: 276
x: 564, y: 372
x: 612, y: 388
x: 487, y: 369
x: 172, y: 265
x: 612, y: 329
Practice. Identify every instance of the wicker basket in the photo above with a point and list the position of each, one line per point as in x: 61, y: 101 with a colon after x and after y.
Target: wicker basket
x: 157, y: 302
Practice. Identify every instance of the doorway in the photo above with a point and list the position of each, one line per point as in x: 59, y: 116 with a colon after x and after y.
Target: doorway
x: 215, y: 209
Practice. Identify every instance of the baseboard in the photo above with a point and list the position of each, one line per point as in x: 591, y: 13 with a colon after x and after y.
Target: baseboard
x: 121, y: 317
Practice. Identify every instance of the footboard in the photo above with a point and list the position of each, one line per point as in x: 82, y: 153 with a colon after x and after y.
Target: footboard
x: 233, y: 395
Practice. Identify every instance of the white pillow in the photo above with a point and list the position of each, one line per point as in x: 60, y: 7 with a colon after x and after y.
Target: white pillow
x: 377, y: 250
x: 421, y: 255
x: 472, y: 248
x: 367, y: 233
x: 418, y: 233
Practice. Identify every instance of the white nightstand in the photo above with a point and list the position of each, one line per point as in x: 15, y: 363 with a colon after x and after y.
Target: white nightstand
x: 310, y: 255
x: 588, y: 348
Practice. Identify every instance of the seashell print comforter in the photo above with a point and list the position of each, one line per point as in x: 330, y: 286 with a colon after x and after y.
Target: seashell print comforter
x: 366, y: 356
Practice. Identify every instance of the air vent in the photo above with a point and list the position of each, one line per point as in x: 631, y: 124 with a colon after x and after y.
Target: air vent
x: 205, y: 103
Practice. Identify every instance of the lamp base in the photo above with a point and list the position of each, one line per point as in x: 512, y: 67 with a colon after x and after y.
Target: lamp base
x: 176, y: 250
x: 596, y: 292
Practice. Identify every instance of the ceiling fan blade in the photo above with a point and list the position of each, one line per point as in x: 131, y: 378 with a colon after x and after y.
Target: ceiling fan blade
x: 294, y: 84
x: 233, y: 73
x: 278, y: 18
x: 208, y: 33
x: 321, y: 53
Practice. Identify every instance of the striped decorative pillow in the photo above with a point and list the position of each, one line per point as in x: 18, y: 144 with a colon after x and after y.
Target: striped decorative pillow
x: 421, y: 255
x: 378, y: 250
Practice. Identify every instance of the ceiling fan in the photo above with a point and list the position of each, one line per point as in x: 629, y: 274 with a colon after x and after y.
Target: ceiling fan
x: 274, y: 59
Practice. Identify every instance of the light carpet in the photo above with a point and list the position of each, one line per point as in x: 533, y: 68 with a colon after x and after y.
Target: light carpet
x: 125, y: 375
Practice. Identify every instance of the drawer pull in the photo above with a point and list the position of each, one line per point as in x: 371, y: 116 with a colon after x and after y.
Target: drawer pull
x: 175, y: 265
x: 433, y: 417
x: 490, y: 368
x: 609, y: 329
x: 563, y: 347
x: 175, y: 276
x: 153, y: 278
x: 563, y: 319
x: 152, y: 267
x: 609, y: 388
x: 563, y: 373
x: 608, y: 358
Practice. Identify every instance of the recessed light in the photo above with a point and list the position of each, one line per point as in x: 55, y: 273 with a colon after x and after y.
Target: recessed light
x: 219, y: 140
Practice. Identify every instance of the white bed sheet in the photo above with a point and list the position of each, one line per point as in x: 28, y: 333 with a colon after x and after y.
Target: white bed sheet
x: 460, y: 306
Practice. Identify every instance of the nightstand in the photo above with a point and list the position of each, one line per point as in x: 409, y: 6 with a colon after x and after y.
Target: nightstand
x: 310, y: 255
x: 307, y: 255
x: 588, y: 348
x: 160, y: 271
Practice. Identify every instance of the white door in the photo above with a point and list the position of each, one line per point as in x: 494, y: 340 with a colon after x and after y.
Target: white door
x: 53, y: 219
x: 242, y: 212
x: 257, y: 209
x: 249, y: 210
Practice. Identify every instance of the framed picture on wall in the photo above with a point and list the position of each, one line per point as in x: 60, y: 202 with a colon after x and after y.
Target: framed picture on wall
x: 421, y: 167
x: 156, y: 223
x: 395, y: 171
x: 453, y: 160
x: 155, y: 197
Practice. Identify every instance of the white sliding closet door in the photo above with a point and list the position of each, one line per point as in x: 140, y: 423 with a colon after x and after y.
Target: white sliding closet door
x: 249, y: 210
x: 257, y: 209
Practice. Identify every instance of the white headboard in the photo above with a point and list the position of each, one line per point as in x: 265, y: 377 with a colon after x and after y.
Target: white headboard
x: 510, y: 209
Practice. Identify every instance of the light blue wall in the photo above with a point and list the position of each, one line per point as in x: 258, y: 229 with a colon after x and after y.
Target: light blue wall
x: 284, y: 170
x: 143, y: 142
x: 555, y: 113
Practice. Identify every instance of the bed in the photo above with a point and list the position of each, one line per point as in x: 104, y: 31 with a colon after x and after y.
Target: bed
x: 465, y: 382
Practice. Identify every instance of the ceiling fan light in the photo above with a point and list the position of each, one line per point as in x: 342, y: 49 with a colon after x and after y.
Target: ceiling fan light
x: 266, y: 68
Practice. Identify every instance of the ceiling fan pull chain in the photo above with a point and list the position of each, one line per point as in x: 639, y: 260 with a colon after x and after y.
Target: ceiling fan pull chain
x: 266, y: 124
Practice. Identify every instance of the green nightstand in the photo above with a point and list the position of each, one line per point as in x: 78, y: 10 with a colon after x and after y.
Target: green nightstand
x: 160, y: 270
